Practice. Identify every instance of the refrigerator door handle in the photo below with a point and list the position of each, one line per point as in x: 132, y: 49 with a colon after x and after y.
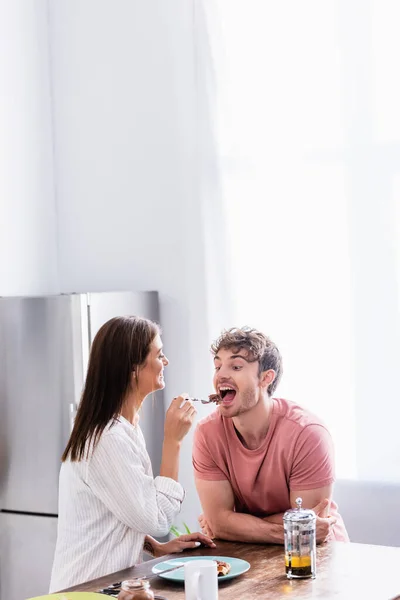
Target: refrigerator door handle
x: 80, y: 342
x: 72, y: 414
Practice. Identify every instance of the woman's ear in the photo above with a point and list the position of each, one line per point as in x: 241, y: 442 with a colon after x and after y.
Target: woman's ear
x: 134, y: 377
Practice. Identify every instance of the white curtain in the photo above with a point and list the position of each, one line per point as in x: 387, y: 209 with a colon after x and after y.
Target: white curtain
x: 308, y: 136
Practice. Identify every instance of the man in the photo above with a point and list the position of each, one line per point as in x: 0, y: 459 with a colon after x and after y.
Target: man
x: 256, y: 454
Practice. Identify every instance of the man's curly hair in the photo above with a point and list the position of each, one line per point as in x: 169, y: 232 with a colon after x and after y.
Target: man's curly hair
x: 259, y: 349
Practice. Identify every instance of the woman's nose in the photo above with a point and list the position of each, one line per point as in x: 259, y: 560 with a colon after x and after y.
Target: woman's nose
x: 166, y: 361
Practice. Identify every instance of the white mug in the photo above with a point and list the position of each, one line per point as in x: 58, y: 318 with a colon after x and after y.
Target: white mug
x: 201, y: 580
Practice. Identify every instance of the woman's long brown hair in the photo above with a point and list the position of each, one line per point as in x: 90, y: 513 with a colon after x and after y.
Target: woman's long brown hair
x: 119, y: 347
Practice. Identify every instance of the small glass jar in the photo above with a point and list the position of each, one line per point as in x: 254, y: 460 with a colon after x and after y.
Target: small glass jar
x: 300, y: 542
x: 135, y: 589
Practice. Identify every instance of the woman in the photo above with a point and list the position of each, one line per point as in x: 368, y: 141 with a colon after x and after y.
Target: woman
x: 108, y: 498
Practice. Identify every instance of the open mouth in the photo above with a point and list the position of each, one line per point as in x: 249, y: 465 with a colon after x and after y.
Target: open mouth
x: 227, y: 394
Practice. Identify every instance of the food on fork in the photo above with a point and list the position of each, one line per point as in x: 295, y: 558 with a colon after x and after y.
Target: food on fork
x: 215, y: 398
x: 223, y: 568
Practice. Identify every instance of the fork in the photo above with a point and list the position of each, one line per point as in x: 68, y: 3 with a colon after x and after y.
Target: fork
x: 202, y: 401
x: 178, y: 565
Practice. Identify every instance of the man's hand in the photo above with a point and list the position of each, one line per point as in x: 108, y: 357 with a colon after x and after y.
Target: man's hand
x: 324, y: 523
x: 205, y: 528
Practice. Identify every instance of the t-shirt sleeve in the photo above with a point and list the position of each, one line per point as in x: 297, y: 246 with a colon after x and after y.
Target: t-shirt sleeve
x: 313, y: 460
x: 204, y: 464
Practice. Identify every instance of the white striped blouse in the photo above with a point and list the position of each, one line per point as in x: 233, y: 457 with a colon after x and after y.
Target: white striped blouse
x: 107, y: 504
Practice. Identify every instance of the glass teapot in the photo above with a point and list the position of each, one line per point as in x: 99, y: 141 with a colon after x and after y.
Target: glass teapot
x: 300, y: 542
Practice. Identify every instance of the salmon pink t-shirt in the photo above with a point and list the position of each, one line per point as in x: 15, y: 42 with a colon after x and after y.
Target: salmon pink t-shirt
x: 297, y: 454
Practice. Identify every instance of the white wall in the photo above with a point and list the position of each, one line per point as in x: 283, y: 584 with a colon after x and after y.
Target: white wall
x: 28, y: 253
x: 128, y: 166
x: 116, y: 195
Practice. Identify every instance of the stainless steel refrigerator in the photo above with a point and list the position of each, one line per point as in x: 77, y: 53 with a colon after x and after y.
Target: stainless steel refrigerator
x: 44, y: 347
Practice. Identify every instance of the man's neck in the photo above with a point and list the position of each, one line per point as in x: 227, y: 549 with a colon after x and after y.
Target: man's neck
x: 252, y: 426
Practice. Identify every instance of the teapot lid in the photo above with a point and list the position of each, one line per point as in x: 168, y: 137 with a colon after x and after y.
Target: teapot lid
x: 299, y: 513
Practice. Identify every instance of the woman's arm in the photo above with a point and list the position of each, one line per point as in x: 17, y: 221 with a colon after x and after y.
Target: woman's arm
x: 179, y: 544
x: 178, y: 420
x: 117, y: 476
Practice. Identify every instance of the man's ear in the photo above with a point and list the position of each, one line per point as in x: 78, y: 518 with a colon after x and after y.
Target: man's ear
x: 266, y: 378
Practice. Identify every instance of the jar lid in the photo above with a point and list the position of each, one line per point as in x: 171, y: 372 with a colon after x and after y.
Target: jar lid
x: 299, y: 513
x: 135, y: 584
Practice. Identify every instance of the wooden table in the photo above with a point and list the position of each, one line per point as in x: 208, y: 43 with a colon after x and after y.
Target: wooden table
x: 344, y: 572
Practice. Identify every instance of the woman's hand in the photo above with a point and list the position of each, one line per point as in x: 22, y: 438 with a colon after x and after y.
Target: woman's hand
x: 178, y: 419
x: 179, y: 544
x: 185, y: 542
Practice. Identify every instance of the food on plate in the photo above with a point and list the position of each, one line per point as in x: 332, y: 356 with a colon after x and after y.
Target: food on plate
x: 223, y: 568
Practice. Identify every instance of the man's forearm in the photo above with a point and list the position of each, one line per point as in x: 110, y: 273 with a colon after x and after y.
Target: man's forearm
x: 276, y: 518
x: 240, y: 527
